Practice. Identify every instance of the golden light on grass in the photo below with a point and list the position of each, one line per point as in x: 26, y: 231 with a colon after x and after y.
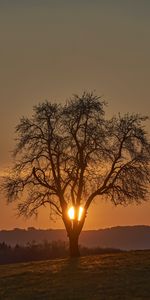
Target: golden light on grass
x: 71, y: 213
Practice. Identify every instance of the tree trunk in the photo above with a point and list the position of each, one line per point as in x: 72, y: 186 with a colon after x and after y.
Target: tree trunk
x: 73, y: 228
x: 73, y: 245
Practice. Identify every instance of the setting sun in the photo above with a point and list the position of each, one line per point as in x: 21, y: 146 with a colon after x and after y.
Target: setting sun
x: 80, y: 213
x: 71, y: 213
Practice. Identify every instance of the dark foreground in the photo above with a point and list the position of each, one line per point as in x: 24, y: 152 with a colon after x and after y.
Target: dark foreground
x: 111, y: 276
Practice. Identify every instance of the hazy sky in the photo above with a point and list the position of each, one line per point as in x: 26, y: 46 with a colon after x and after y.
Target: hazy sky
x: 50, y: 49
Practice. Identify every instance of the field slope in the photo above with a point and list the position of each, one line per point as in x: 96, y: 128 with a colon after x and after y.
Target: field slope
x: 113, y: 276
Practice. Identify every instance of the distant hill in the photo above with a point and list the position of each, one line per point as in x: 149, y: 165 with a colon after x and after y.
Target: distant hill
x: 125, y: 237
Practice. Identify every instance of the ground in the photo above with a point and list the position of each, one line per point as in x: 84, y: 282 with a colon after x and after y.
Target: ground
x: 117, y: 276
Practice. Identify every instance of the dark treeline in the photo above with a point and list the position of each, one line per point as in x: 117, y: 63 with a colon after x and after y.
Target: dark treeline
x: 46, y: 250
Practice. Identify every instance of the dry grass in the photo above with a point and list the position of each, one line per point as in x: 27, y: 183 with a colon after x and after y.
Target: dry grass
x: 114, y: 276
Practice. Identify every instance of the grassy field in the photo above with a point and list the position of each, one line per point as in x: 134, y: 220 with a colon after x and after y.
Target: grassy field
x: 113, y: 276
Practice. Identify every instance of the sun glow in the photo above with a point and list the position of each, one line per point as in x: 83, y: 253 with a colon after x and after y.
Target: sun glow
x: 71, y: 213
x: 80, y: 213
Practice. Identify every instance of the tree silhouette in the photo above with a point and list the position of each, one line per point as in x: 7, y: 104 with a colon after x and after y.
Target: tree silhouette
x: 68, y: 155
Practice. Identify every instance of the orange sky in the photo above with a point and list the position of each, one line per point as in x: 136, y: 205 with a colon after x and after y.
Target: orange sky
x: 52, y: 49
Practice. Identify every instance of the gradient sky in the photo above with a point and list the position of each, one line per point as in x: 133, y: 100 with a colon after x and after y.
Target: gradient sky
x: 50, y: 49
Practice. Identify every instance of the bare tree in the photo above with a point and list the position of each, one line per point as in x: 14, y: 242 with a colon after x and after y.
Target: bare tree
x: 68, y: 155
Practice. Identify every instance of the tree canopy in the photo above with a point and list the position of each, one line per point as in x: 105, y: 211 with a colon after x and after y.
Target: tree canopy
x: 67, y: 155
